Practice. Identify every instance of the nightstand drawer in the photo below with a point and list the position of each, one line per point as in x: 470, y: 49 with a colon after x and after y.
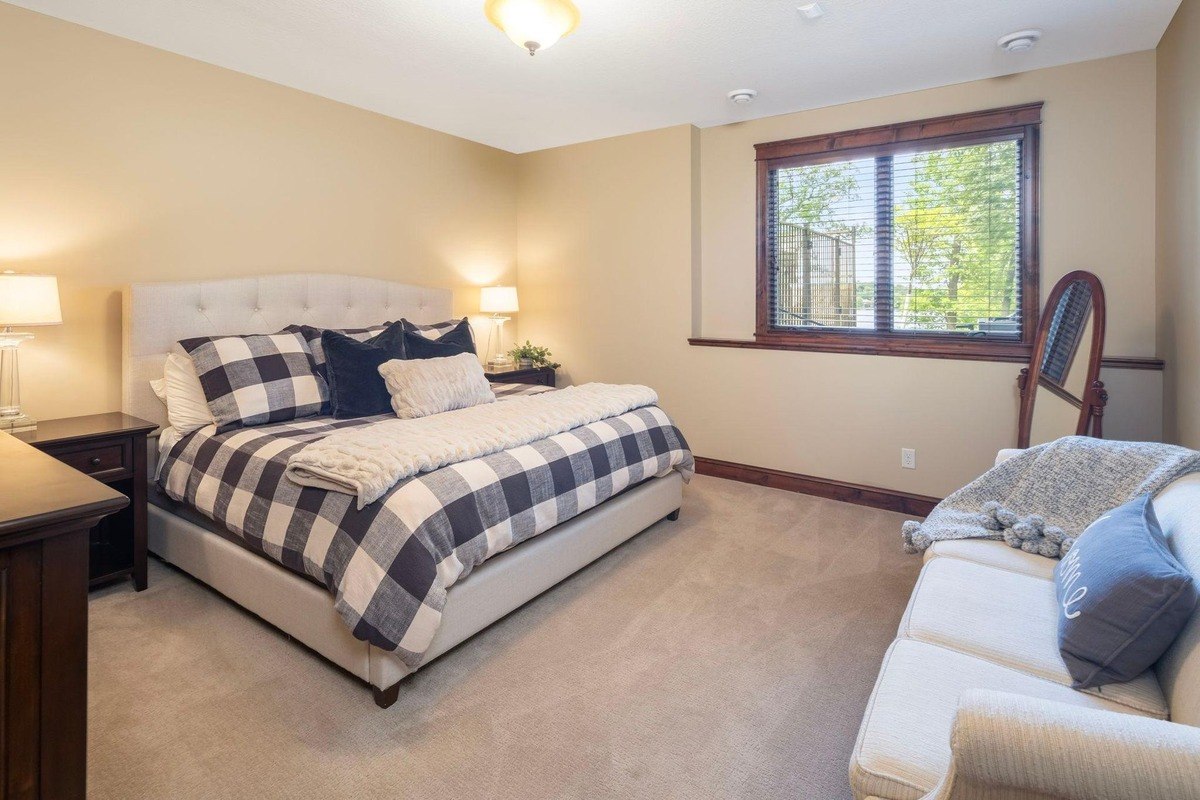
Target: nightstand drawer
x: 97, y: 458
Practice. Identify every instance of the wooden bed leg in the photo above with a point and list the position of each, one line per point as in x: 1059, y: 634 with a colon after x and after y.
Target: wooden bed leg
x: 385, y: 697
x: 673, y: 516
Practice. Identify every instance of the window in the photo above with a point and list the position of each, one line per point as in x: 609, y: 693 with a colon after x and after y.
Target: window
x: 910, y: 239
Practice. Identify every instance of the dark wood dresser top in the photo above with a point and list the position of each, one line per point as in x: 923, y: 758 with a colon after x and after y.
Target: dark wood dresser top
x: 38, y: 491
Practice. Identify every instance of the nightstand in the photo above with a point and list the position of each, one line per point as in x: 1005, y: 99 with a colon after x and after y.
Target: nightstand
x: 112, y: 449
x: 540, y: 376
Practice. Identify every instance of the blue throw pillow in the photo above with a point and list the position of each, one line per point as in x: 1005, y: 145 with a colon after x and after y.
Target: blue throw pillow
x: 1123, y: 597
x: 356, y: 389
x: 418, y: 346
x: 442, y: 340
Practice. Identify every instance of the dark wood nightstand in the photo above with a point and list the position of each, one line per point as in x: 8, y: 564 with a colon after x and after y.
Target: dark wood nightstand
x: 540, y: 376
x: 112, y: 449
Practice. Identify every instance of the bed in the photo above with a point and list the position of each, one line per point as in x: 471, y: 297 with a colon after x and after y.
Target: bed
x: 158, y: 315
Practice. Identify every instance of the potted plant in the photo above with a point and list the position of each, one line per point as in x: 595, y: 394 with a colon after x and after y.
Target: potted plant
x: 530, y: 355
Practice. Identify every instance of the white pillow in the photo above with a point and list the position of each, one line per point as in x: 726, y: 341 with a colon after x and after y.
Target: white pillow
x: 179, y: 388
x: 423, y: 386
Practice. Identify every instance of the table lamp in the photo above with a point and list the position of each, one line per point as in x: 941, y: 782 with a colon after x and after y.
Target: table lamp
x: 25, y: 300
x: 497, y: 301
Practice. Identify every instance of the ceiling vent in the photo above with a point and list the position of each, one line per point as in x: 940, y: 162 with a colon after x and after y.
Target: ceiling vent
x: 1019, y: 42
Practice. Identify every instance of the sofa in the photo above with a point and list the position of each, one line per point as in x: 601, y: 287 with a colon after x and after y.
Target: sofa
x: 973, y: 701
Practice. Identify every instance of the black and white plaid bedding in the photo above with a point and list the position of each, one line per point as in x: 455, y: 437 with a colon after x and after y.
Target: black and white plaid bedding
x: 256, y: 379
x: 388, y: 566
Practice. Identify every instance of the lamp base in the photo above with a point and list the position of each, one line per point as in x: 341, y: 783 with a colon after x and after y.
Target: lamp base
x: 14, y: 423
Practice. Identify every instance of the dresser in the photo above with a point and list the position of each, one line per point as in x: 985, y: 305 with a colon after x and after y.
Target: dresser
x: 46, y: 511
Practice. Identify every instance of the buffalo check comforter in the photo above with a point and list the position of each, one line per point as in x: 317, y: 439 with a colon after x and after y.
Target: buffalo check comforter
x: 389, y: 565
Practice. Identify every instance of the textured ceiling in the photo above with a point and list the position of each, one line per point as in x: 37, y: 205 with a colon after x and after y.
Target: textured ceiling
x: 632, y: 65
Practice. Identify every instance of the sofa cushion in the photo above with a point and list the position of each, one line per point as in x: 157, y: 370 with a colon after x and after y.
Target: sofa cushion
x: 996, y: 554
x: 903, y: 745
x: 1007, y: 618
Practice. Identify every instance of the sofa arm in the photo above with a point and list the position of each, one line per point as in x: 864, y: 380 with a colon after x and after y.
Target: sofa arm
x: 1006, y: 454
x: 1011, y: 746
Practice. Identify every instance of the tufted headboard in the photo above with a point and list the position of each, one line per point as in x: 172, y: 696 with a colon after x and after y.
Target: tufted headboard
x: 156, y: 315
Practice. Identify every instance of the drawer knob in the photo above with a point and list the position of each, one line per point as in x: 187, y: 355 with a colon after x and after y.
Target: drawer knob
x: 94, y: 461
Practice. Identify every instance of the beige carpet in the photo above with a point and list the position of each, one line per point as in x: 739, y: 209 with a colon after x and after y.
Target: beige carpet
x: 727, y: 655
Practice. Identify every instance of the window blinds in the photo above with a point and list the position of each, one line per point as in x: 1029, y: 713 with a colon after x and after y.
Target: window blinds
x: 923, y: 241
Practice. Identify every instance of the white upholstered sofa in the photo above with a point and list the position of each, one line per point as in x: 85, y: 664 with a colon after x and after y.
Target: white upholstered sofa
x: 973, y: 701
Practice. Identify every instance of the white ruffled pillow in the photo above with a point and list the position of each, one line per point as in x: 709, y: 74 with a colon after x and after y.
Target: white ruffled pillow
x: 423, y: 386
x: 180, y: 390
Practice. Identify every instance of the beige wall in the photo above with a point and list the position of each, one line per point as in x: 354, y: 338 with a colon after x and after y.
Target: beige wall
x: 1179, y: 222
x: 122, y: 163
x: 614, y: 277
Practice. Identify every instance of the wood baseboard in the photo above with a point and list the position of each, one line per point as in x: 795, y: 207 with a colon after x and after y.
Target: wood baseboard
x: 888, y: 499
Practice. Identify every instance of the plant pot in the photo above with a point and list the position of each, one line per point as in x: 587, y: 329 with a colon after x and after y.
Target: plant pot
x: 526, y: 363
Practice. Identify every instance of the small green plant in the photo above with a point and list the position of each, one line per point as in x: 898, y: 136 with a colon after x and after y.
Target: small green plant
x: 540, y: 356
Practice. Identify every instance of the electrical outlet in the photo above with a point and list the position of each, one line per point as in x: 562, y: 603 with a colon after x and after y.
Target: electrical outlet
x: 908, y: 458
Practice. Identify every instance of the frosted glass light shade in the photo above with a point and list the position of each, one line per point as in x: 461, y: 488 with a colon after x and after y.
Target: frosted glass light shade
x: 533, y: 24
x: 29, y: 300
x: 498, y: 300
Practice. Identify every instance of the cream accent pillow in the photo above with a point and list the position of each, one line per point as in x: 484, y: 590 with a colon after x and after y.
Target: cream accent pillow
x: 423, y: 386
x: 179, y: 388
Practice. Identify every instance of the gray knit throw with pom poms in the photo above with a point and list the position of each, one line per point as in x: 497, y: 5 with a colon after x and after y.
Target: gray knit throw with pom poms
x: 1041, y: 499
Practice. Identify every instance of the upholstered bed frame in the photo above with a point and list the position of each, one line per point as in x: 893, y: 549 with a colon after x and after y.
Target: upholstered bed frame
x: 159, y: 314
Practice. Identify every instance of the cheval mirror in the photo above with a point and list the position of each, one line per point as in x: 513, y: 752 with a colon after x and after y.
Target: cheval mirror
x: 1061, y: 390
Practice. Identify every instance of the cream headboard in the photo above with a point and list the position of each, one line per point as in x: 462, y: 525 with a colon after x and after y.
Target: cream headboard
x: 159, y: 314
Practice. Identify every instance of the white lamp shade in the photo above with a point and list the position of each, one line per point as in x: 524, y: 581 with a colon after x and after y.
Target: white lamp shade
x: 498, y: 300
x: 29, y: 299
x: 533, y: 24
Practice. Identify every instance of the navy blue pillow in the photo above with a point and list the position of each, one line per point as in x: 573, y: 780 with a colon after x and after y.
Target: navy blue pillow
x: 417, y: 346
x: 1123, y: 597
x: 457, y: 339
x: 356, y: 389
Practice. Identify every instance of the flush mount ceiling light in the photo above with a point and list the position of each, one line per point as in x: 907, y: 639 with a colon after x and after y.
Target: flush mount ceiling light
x: 742, y: 96
x: 1019, y: 42
x: 533, y: 24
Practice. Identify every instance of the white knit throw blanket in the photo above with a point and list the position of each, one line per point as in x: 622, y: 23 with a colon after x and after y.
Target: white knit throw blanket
x: 368, y: 461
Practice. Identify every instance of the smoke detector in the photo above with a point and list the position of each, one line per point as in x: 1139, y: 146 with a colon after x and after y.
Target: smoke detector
x: 811, y: 10
x: 742, y: 97
x: 1019, y: 42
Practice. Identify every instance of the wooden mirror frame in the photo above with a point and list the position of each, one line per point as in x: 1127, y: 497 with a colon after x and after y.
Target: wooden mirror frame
x: 1095, y: 396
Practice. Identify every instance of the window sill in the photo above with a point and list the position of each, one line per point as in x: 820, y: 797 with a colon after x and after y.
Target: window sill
x: 1014, y: 354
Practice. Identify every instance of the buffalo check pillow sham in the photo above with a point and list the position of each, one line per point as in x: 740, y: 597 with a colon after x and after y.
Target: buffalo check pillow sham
x: 256, y: 379
x: 312, y: 335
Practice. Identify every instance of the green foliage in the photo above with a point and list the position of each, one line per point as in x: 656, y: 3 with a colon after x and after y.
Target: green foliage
x: 954, y: 229
x: 540, y: 356
x: 806, y: 195
x: 958, y: 234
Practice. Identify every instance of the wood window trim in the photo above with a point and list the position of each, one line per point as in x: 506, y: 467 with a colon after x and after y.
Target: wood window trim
x: 1012, y: 355
x: 1016, y: 122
